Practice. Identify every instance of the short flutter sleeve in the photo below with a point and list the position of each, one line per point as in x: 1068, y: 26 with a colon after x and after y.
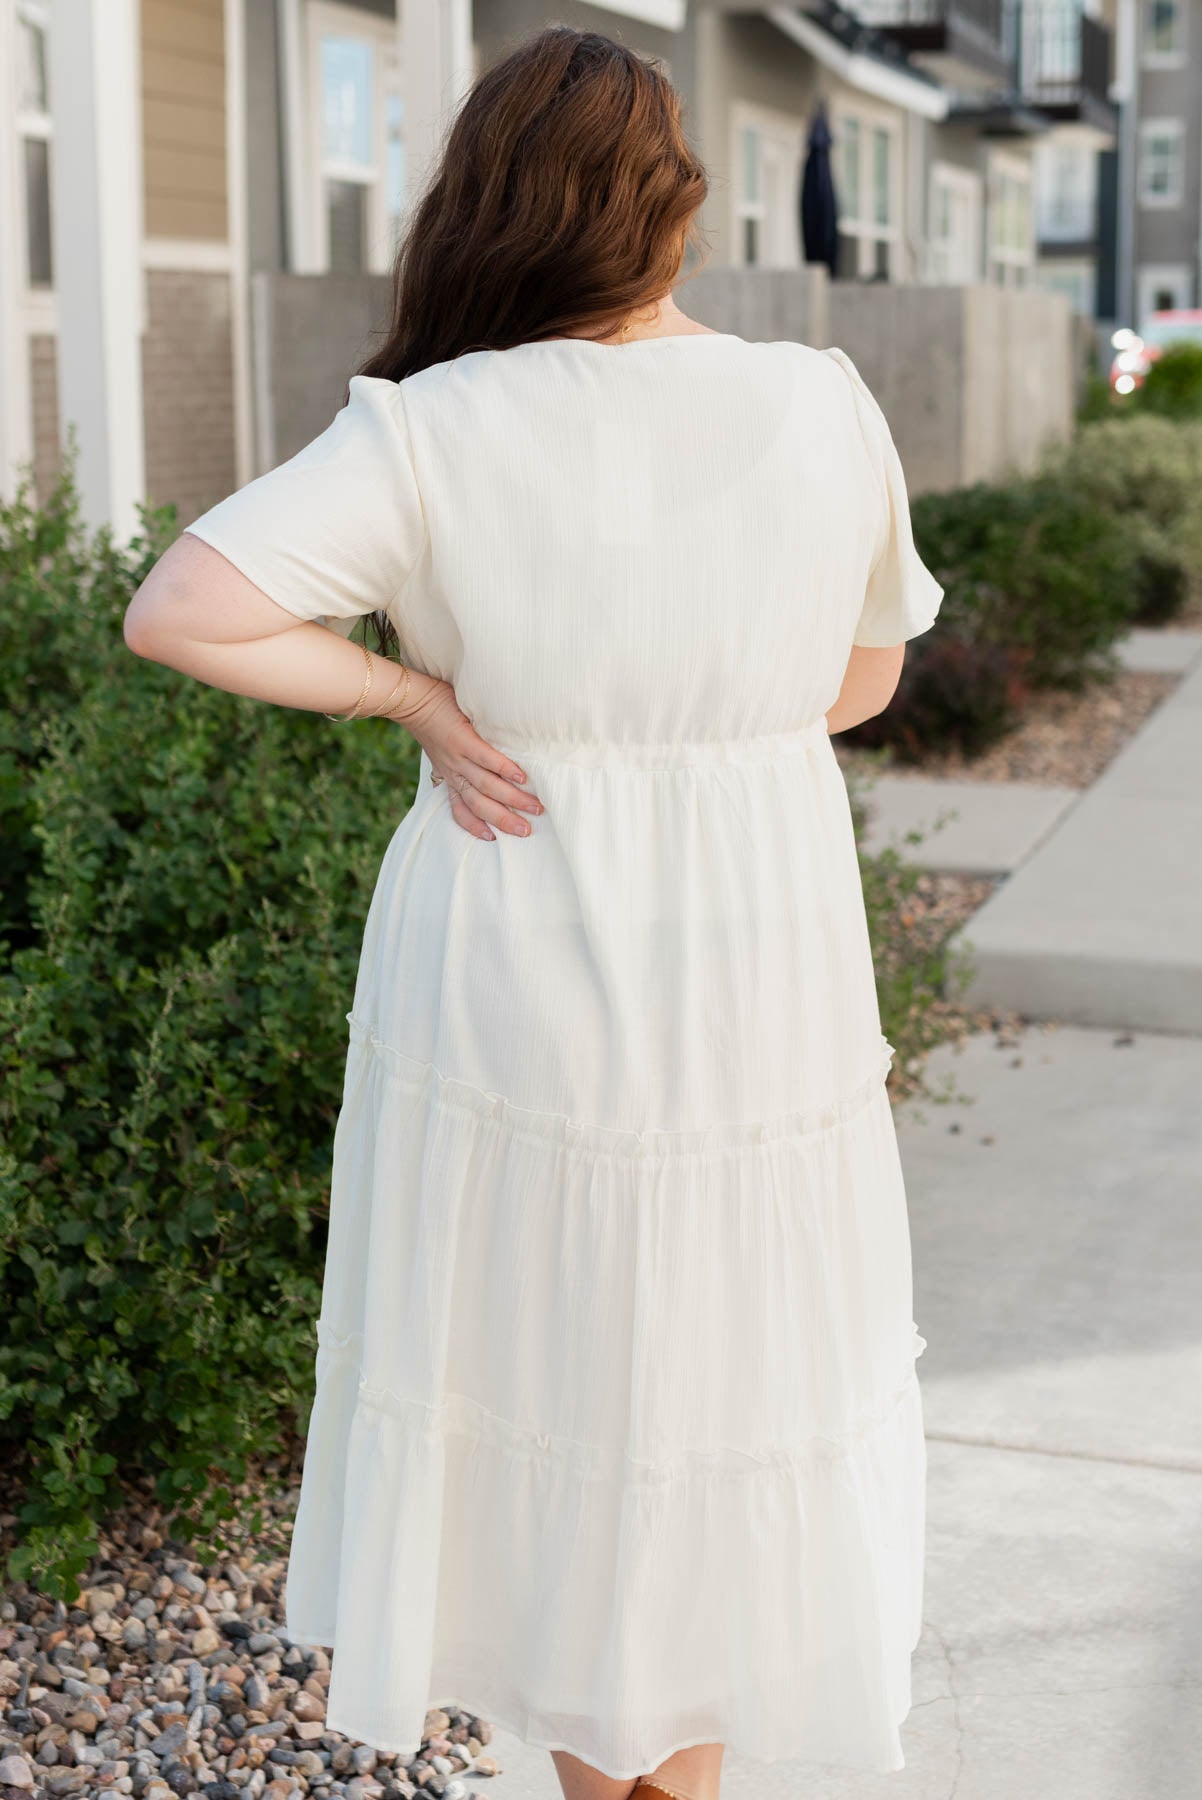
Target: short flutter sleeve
x: 336, y: 531
x: 902, y: 596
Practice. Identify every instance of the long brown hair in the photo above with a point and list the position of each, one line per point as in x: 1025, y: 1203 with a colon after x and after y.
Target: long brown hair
x: 566, y: 196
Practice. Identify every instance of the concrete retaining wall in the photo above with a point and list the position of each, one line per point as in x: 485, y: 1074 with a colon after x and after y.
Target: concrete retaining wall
x: 975, y: 381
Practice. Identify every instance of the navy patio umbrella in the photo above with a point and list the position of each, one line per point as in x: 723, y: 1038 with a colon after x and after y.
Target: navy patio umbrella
x: 819, y: 208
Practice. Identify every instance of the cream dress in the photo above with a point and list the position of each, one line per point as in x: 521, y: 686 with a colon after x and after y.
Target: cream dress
x: 617, y: 1438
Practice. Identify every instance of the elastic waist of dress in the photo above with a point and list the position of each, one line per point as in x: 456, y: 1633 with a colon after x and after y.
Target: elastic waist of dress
x: 683, y: 753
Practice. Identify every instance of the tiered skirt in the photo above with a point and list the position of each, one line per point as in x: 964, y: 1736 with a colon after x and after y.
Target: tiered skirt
x: 617, y: 1438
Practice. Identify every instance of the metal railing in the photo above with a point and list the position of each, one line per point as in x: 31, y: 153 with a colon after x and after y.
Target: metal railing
x: 982, y: 16
x: 1063, y: 54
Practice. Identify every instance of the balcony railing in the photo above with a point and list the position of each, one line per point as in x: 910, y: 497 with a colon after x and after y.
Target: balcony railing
x: 1064, y: 58
x: 984, y: 16
x: 956, y: 35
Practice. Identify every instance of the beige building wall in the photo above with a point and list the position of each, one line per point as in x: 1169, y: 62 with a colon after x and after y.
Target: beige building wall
x: 187, y: 348
x: 183, y: 119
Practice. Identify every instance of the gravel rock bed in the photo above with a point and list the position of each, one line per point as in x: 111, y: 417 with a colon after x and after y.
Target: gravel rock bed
x: 170, y: 1677
x: 1062, y: 739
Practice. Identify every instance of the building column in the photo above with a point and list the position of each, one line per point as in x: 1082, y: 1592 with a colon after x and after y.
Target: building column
x: 436, y: 72
x: 96, y: 204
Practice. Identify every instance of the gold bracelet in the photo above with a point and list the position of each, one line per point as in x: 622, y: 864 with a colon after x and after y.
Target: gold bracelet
x: 344, y: 718
x: 381, y: 712
x: 390, y: 711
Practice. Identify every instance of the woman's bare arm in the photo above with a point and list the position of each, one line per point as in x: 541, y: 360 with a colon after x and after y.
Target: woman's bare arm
x: 197, y: 613
x: 868, y: 686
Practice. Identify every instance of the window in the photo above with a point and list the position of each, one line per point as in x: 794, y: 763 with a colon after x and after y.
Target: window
x: 955, y: 228
x: 359, y: 160
x: 1161, y: 288
x: 1075, y: 281
x: 767, y: 158
x: 867, y: 175
x: 1011, y: 234
x: 33, y: 132
x: 1160, y: 162
x: 1066, y: 187
x: 1163, y: 33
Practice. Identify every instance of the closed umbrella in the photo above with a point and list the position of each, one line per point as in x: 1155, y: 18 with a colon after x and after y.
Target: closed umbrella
x: 819, y: 208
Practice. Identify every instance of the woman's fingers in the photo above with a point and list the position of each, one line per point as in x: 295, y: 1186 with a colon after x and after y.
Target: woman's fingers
x: 485, y: 808
x: 497, y: 787
x: 464, y: 816
x: 478, y: 750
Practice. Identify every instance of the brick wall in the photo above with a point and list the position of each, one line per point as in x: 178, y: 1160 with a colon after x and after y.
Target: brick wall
x: 43, y: 388
x: 188, y: 390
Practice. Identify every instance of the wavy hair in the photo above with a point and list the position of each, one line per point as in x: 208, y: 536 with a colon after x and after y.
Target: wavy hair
x: 565, y: 197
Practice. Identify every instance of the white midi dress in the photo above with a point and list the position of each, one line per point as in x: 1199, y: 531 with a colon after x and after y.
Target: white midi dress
x: 617, y: 1436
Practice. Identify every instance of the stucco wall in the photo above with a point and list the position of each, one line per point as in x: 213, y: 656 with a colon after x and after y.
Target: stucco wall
x: 762, y: 305
x: 1170, y: 234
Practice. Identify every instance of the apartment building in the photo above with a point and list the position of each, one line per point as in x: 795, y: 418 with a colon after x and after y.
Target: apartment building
x: 1160, y: 194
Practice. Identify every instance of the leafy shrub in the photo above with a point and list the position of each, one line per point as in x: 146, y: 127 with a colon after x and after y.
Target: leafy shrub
x: 955, y: 693
x: 185, y: 880
x: 1098, y: 399
x: 1035, y: 567
x: 1147, y: 473
x: 1173, y: 385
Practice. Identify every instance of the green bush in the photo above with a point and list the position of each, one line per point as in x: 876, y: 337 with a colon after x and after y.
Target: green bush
x: 955, y: 692
x: 1035, y: 567
x: 186, y: 876
x: 1145, y: 472
x: 1097, y: 399
x: 1173, y: 384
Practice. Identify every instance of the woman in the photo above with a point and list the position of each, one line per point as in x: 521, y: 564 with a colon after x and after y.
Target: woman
x: 617, y: 1436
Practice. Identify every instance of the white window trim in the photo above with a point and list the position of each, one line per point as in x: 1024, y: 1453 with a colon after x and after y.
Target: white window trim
x: 1008, y: 256
x: 1175, y: 58
x: 1153, y: 275
x: 1149, y: 128
x: 346, y: 21
x: 968, y: 183
x: 31, y: 125
x: 784, y: 128
x: 870, y: 118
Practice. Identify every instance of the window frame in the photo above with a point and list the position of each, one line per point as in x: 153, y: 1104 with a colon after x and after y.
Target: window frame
x: 952, y: 177
x: 1177, y: 55
x: 1151, y: 275
x: 1174, y: 131
x: 866, y: 231
x: 32, y: 125
x: 786, y: 132
x: 1009, y: 265
x: 324, y: 19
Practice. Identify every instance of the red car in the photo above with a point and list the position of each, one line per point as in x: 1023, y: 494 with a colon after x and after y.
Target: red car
x: 1135, y: 352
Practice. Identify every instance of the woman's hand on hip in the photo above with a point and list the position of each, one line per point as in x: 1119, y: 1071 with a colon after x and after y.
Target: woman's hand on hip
x: 485, y: 784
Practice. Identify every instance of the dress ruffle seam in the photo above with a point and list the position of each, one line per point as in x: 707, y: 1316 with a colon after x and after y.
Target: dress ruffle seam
x: 458, y: 1414
x: 573, y: 1135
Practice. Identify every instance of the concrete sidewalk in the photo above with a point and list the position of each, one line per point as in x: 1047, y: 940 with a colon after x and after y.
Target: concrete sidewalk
x: 1102, y: 924
x: 991, y: 827
x: 1057, y: 1228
